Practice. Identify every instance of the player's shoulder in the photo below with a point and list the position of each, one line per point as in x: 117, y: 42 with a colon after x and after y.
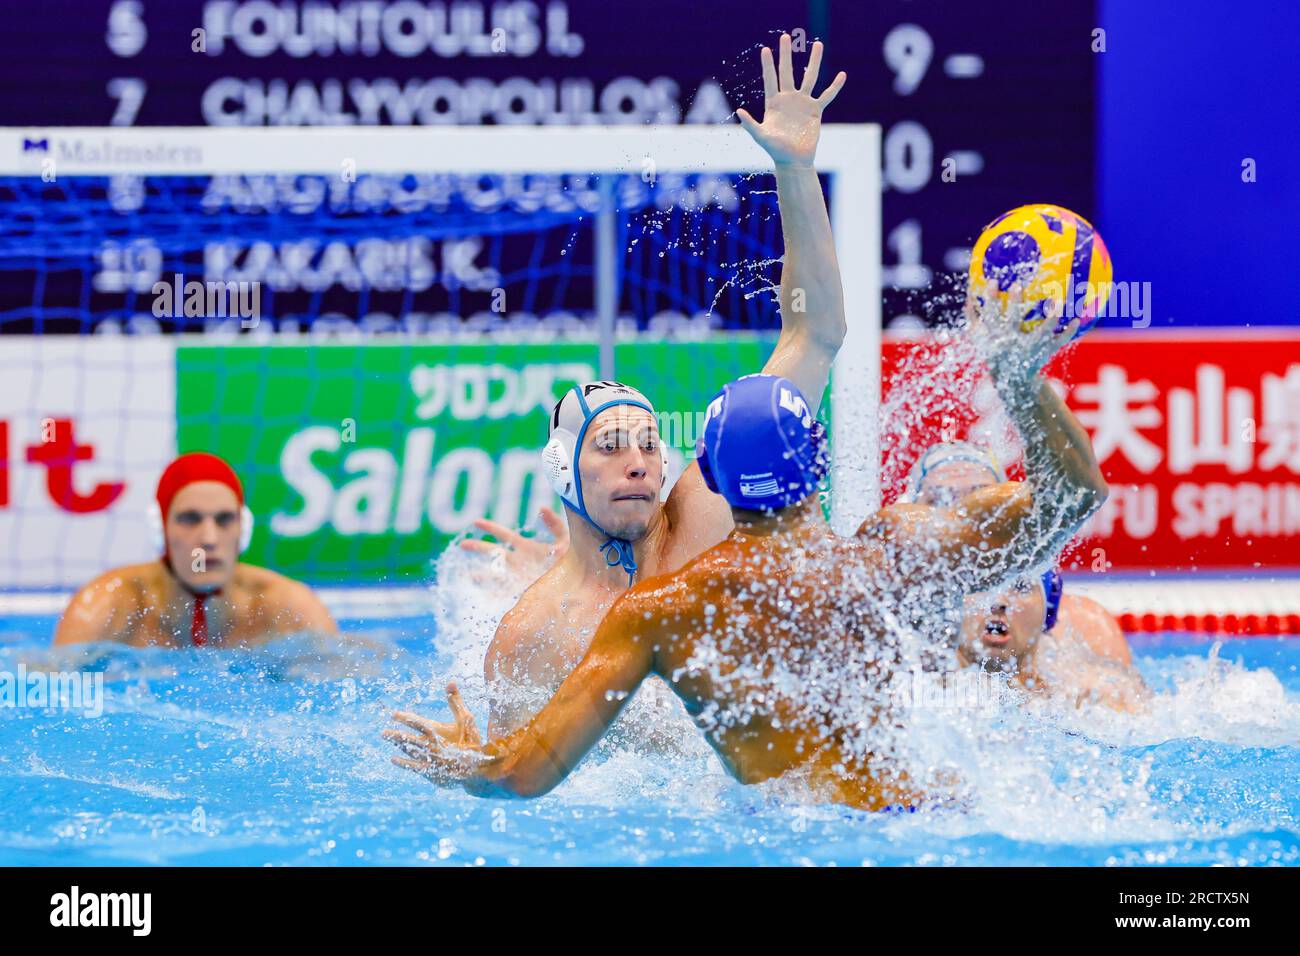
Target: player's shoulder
x: 105, y: 605
x: 275, y: 587
x: 519, y: 627
x: 715, y: 569
x: 266, y: 581
x: 1096, y: 627
x: 540, y: 597
x: 123, y: 586
x: 538, y: 605
x: 290, y: 602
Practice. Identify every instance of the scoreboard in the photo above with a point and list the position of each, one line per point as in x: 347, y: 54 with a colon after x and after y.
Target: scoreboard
x: 979, y: 113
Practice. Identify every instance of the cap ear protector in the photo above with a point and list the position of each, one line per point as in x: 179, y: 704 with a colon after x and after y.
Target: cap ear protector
x: 158, y: 534
x: 560, y: 464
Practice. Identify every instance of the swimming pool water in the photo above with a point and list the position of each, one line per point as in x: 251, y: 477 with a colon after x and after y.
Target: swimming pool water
x: 274, y: 757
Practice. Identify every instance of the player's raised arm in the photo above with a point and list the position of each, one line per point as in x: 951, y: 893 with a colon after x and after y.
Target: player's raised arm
x: 1063, y: 479
x: 1013, y: 526
x: 812, y: 299
x: 534, y: 759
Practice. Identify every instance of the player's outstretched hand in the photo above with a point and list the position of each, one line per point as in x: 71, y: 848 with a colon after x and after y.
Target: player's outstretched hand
x: 527, y: 557
x: 449, y: 754
x: 792, y: 116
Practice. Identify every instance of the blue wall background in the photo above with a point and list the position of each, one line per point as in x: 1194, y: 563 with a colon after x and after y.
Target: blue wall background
x: 1187, y: 90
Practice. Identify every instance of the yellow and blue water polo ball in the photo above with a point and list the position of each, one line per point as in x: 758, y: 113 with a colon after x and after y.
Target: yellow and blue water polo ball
x: 1054, y: 254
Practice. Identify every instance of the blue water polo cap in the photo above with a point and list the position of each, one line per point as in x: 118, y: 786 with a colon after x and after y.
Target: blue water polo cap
x: 762, y: 449
x: 1053, y: 588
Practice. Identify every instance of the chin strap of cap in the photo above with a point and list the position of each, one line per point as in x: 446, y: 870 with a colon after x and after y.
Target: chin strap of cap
x: 199, y: 622
x: 619, y: 551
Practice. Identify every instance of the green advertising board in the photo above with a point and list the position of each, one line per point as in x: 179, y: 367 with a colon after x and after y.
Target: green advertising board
x: 362, y: 462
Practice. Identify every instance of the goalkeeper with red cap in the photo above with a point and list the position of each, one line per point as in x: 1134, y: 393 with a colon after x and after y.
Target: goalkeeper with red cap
x: 198, y: 593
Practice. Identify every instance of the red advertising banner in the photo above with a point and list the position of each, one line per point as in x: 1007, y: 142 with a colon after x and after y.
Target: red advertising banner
x: 1197, y: 434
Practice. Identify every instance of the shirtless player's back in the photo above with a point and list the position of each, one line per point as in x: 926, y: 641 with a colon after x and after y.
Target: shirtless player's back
x: 790, y: 598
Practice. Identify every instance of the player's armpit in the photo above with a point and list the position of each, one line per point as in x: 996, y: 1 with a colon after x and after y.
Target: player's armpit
x: 698, y: 518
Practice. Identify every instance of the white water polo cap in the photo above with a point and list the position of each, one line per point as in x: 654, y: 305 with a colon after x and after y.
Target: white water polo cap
x: 573, y: 415
x: 941, y: 454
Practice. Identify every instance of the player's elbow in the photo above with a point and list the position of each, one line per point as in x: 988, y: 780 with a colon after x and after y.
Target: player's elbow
x: 528, y: 787
x: 1091, y: 495
x: 517, y: 783
x: 1080, y: 500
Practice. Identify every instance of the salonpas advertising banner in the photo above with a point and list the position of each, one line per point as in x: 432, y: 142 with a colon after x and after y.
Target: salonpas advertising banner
x: 362, y: 462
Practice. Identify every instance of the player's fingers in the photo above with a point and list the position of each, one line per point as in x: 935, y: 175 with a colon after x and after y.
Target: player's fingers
x: 832, y: 91
x: 430, y: 728
x: 828, y: 95
x: 769, y: 73
x: 409, y: 764
x: 499, y: 531
x: 456, y: 703
x: 401, y: 737
x: 415, y: 751
x: 464, y: 719
x: 810, y: 71
x: 786, y: 64
x: 438, y: 733
x: 554, y: 523
x: 748, y: 121
x: 477, y: 546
